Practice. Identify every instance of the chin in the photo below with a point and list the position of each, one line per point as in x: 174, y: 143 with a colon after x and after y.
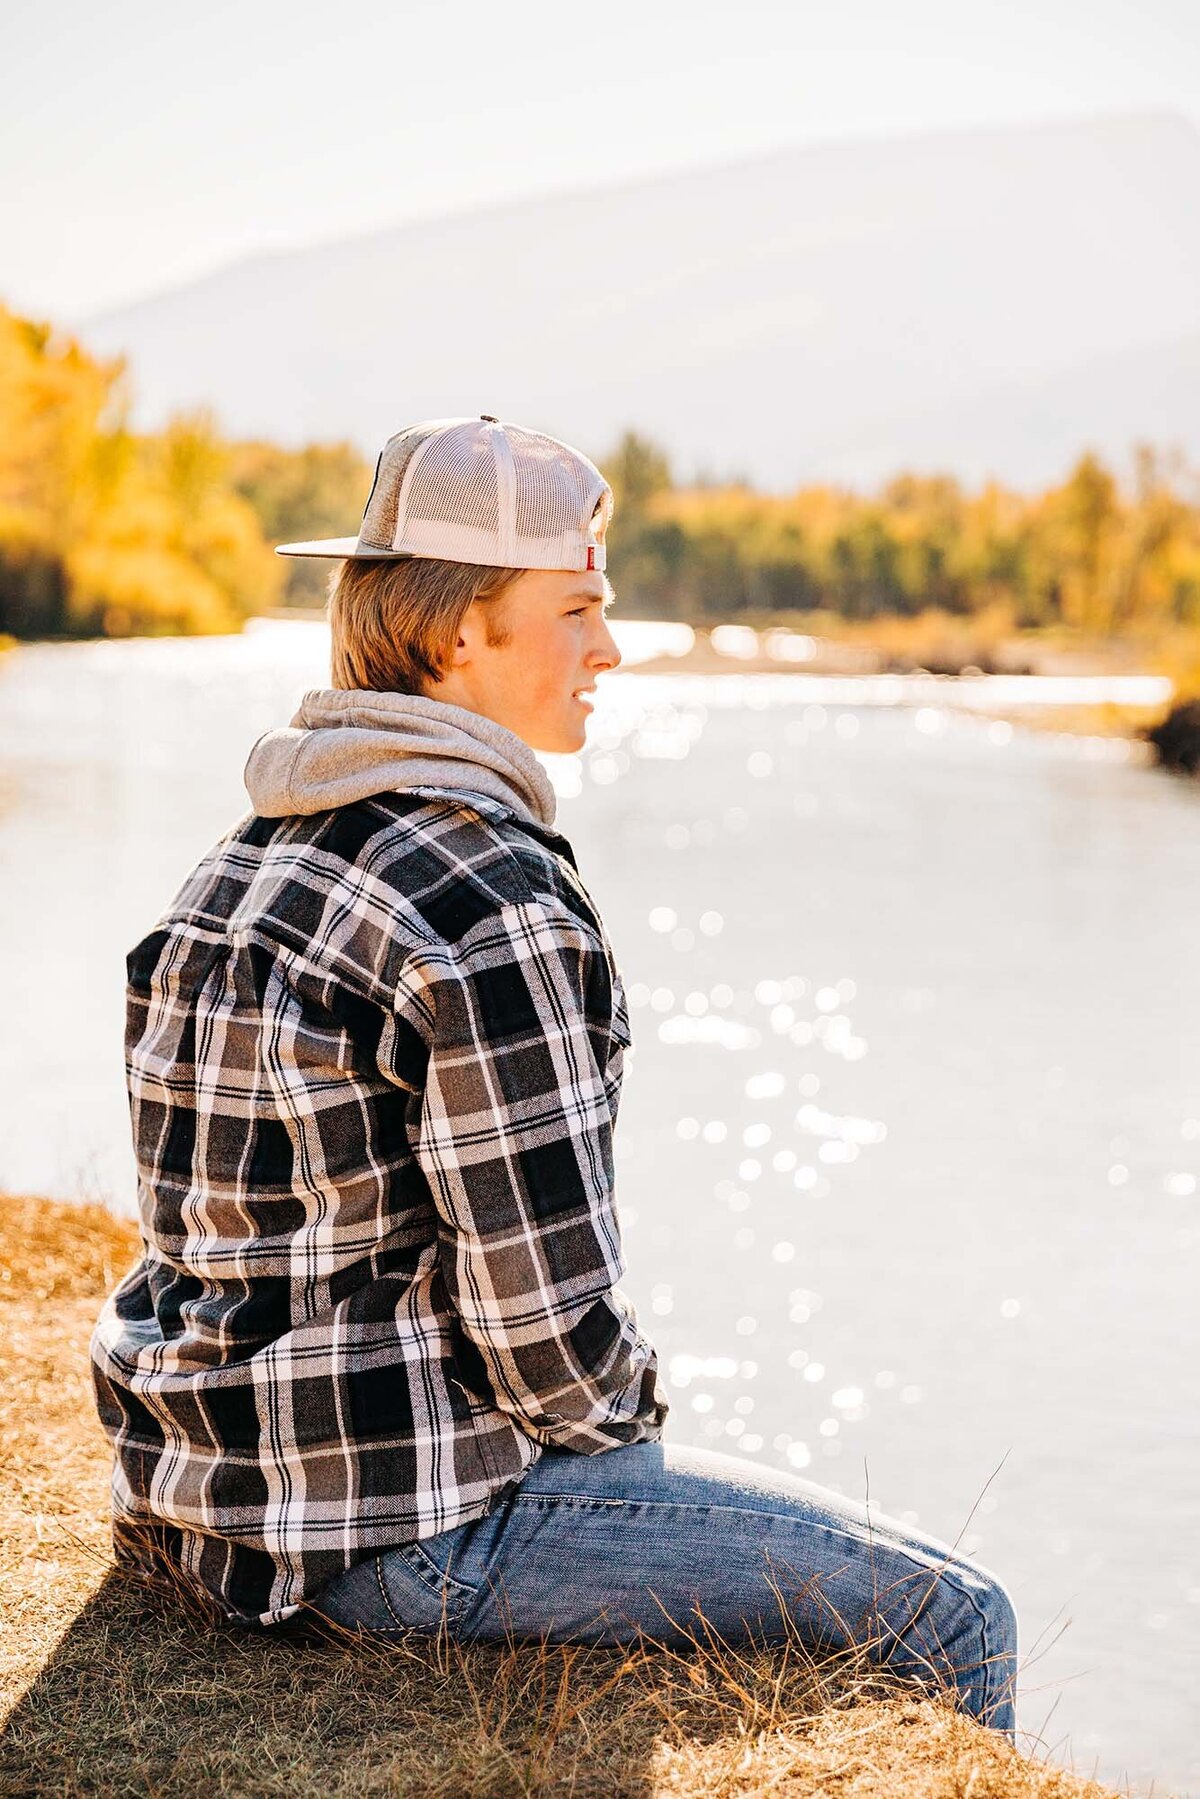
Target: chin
x: 564, y: 742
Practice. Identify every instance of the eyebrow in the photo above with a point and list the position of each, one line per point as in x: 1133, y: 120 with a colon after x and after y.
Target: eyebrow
x: 607, y: 598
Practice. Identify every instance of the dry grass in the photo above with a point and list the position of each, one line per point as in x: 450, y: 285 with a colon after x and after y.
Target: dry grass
x: 112, y: 1686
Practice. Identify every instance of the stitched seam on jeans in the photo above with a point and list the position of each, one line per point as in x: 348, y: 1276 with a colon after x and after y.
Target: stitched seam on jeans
x: 574, y: 1499
x: 684, y: 1505
x: 991, y: 1674
x: 676, y: 1505
x: 740, y: 1511
x: 426, y: 1570
x: 391, y: 1611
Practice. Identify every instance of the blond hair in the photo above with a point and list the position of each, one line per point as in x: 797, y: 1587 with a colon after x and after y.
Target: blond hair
x: 395, y: 624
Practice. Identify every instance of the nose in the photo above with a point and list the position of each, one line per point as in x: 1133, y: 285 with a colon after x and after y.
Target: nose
x: 608, y: 654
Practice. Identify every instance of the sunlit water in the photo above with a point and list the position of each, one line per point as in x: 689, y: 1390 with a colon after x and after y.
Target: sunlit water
x: 910, y: 1134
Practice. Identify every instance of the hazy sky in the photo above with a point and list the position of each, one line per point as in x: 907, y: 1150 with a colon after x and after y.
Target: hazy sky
x: 143, y: 143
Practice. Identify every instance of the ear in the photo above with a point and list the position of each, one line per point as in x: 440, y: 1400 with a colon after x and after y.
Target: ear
x: 472, y: 635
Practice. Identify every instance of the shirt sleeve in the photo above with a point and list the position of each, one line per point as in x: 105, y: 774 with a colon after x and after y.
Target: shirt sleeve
x: 515, y: 1141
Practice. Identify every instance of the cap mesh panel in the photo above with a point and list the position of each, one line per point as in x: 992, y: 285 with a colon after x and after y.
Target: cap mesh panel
x: 555, y: 492
x: 456, y: 481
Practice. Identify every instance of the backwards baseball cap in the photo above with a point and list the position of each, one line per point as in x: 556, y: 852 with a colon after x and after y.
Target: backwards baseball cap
x: 479, y: 490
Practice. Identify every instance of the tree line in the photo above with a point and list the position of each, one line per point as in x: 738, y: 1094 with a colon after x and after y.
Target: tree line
x: 108, y: 531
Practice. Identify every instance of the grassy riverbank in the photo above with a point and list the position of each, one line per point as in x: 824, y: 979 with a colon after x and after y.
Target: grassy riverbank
x: 110, y: 1687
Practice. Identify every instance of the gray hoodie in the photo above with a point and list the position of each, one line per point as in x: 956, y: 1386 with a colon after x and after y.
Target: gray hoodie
x: 344, y: 746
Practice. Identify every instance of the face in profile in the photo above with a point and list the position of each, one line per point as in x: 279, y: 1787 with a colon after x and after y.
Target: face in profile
x: 531, y: 658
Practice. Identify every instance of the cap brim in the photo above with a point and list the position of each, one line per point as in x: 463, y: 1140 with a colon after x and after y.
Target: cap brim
x: 345, y: 547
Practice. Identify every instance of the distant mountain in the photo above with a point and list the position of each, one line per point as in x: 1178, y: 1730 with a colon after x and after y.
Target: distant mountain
x: 980, y: 301
x: 1042, y: 422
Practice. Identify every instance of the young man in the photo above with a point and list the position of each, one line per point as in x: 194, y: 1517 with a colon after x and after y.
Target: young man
x: 374, y: 1360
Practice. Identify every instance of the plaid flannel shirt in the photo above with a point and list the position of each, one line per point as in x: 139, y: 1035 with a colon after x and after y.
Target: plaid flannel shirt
x: 374, y: 1058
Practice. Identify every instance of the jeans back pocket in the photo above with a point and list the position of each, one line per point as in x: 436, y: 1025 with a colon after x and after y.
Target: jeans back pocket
x: 420, y: 1584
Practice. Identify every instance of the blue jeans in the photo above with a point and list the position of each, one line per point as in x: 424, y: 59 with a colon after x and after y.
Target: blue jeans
x: 602, y: 1548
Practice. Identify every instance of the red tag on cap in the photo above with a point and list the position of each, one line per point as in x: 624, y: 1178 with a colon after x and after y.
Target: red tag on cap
x: 591, y: 561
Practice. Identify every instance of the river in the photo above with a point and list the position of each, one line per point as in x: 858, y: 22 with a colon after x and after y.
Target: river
x: 910, y: 1134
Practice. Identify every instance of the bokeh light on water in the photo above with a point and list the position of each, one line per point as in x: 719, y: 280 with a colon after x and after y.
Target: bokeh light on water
x: 909, y: 1140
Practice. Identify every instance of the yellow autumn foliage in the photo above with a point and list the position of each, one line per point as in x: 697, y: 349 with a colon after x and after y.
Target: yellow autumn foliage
x: 105, y: 531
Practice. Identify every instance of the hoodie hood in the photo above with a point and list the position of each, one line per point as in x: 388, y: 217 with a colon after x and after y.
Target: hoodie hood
x: 345, y: 746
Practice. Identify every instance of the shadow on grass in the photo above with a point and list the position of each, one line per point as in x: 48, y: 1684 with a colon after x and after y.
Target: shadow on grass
x: 140, y: 1697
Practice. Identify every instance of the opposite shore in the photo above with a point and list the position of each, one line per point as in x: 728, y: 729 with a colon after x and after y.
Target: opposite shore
x: 1141, y: 691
